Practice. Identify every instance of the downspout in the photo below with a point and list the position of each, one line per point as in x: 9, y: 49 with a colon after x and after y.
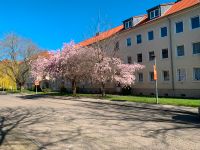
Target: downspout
x: 171, y: 56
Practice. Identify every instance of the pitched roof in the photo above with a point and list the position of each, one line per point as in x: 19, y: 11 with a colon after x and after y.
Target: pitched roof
x: 176, y: 7
x: 183, y: 4
x: 101, y: 36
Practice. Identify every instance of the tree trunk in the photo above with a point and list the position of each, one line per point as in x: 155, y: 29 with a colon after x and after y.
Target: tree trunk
x: 19, y: 86
x: 74, y: 87
x: 103, y: 91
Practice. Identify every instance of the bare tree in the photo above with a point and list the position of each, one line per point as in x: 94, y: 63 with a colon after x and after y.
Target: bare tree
x: 17, y: 53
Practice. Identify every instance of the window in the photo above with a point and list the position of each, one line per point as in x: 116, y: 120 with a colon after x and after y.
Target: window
x: 151, y: 56
x: 129, y: 60
x: 139, y: 57
x: 181, y: 74
x: 180, y: 50
x: 196, y: 48
x: 116, y: 46
x: 163, y: 31
x: 128, y: 42
x: 166, y: 75
x: 179, y: 27
x: 140, y: 77
x: 165, y: 53
x: 151, y: 76
x: 154, y: 14
x: 150, y: 35
x: 128, y: 24
x: 196, y: 74
x: 139, y: 39
x: 195, y: 22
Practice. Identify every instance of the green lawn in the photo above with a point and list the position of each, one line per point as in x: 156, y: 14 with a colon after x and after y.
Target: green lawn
x: 152, y: 100
x: 138, y: 99
x: 141, y: 99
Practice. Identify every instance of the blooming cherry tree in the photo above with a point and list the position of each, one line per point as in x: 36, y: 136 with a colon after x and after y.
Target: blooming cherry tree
x: 77, y: 64
x: 112, y: 70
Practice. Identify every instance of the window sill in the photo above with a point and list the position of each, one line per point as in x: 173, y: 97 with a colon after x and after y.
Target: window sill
x: 163, y: 59
x: 140, y: 82
x: 194, y: 55
x: 180, y: 57
x: 166, y: 82
x: 196, y: 81
x: 195, y: 29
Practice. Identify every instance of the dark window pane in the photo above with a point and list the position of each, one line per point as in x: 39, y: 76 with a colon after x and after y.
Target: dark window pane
x: 140, y: 77
x: 152, y: 14
x: 179, y: 27
x: 180, y: 50
x: 165, y: 53
x: 151, y: 76
x: 130, y: 24
x: 129, y: 42
x: 197, y: 74
x: 116, y: 46
x: 195, y: 22
x: 139, y: 39
x: 163, y: 31
x: 139, y: 57
x: 150, y: 35
x: 196, y: 48
x: 126, y: 25
x: 129, y: 60
x: 166, y: 75
x: 151, y: 56
x: 156, y: 12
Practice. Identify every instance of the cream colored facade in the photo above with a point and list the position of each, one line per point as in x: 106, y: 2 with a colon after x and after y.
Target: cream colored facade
x: 188, y: 87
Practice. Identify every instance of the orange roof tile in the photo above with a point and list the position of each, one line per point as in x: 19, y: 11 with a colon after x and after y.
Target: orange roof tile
x: 176, y: 7
x: 183, y: 4
x: 101, y: 36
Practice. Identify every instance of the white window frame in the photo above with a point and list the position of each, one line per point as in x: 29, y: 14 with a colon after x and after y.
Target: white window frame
x: 194, y: 74
x: 161, y: 31
x: 163, y: 76
x: 193, y: 49
x: 127, y: 42
x: 175, y: 26
x: 130, y: 59
x: 154, y: 13
x: 139, y: 77
x: 137, y: 38
x: 148, y: 35
x: 149, y: 56
x: 127, y: 24
x: 191, y: 22
x: 150, y: 77
x: 161, y: 56
x: 137, y: 58
x: 177, y: 50
x: 177, y: 77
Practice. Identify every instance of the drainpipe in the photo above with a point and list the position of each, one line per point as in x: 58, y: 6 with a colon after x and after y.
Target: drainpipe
x: 171, y: 56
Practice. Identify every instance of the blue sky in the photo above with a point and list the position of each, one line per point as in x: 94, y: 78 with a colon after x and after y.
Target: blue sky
x: 50, y: 23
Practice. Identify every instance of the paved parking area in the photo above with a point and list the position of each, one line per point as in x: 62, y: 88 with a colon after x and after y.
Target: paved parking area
x: 37, y: 123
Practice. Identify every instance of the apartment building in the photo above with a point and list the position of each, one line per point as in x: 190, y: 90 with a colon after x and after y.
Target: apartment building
x: 171, y: 34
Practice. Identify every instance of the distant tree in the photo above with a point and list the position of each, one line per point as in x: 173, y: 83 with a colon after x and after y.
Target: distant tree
x: 18, y: 52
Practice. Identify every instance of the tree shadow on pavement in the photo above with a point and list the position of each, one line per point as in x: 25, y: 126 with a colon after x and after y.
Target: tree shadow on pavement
x: 83, y: 118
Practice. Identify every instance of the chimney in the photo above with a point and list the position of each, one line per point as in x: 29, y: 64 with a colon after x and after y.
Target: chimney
x: 178, y: 1
x: 98, y: 33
